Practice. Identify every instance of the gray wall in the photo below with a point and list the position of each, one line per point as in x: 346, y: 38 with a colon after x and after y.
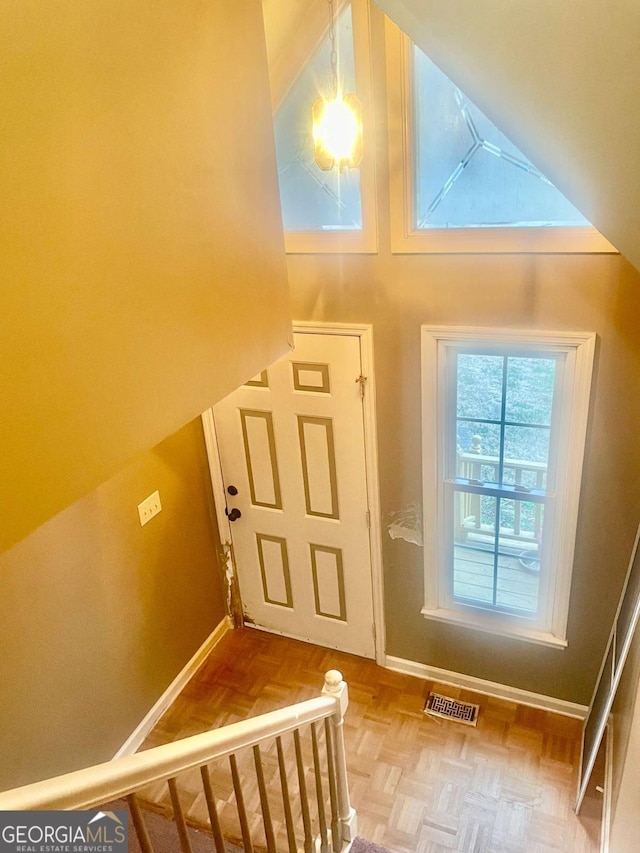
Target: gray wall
x: 99, y: 614
x: 398, y: 293
x: 599, y: 293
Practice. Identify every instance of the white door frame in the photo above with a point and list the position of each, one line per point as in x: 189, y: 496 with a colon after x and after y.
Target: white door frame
x: 365, y: 334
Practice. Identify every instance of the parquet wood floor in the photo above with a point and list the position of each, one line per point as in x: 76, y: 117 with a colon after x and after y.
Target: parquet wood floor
x: 418, y: 783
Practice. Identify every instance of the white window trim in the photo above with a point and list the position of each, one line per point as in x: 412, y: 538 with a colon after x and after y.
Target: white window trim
x: 579, y: 347
x: 364, y: 241
x: 404, y: 237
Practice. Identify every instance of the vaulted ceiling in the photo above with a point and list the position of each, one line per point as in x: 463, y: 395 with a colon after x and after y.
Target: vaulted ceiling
x: 561, y: 79
x: 293, y: 29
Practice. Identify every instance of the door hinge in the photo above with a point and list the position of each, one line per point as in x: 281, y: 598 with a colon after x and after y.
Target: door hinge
x: 368, y: 517
x: 373, y: 631
x: 361, y: 380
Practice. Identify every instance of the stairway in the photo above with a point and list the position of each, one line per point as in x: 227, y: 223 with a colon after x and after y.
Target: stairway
x: 164, y: 836
x: 302, y: 792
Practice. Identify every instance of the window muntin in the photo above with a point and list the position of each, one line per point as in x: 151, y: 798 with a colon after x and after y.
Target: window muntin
x: 467, y: 173
x: 504, y: 429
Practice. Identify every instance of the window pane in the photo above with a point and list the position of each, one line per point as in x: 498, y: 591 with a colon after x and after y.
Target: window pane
x: 517, y: 585
x: 473, y: 575
x: 491, y: 191
x: 479, y: 386
x: 313, y: 200
x: 478, y: 450
x: 509, y: 578
x: 524, y: 445
x: 438, y: 153
x: 475, y: 519
x: 468, y: 174
x: 473, y: 558
x: 530, y: 383
x: 518, y: 570
x: 520, y: 524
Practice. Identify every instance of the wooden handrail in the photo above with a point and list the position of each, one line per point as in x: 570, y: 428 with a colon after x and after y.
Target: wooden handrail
x: 93, y: 786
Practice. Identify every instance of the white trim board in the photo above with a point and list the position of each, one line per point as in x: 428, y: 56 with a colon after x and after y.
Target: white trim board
x: 487, y: 688
x: 136, y: 738
x: 220, y: 504
x: 574, y: 355
x: 215, y: 470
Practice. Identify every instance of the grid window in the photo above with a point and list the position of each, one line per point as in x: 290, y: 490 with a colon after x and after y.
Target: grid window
x: 503, y: 426
x: 504, y: 431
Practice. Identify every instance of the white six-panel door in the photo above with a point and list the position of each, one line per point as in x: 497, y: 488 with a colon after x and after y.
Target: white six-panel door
x: 291, y: 442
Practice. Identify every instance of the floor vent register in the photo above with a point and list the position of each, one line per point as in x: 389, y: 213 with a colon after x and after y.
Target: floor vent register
x: 451, y: 709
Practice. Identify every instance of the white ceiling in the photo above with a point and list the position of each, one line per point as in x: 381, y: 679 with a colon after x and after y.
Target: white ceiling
x: 561, y: 78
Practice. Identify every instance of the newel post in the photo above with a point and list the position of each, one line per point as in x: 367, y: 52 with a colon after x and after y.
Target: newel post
x: 337, y: 689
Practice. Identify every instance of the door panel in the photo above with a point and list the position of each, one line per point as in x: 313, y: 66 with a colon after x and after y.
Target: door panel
x: 292, y: 442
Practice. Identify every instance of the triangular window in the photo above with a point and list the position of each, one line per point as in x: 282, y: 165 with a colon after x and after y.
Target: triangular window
x: 313, y: 200
x: 456, y: 183
x: 467, y: 173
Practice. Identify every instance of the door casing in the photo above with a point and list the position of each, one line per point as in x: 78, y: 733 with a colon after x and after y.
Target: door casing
x: 365, y: 333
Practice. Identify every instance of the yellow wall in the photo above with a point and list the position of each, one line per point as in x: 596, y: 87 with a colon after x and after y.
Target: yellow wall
x: 100, y: 614
x: 143, y: 274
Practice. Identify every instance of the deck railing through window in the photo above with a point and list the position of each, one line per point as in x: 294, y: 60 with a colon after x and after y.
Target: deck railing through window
x: 476, y: 466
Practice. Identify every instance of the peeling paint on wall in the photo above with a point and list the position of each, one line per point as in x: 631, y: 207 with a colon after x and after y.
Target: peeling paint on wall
x: 406, y: 524
x: 234, y: 607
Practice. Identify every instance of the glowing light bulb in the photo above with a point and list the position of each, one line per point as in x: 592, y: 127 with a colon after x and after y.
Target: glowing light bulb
x: 337, y: 132
x: 338, y: 129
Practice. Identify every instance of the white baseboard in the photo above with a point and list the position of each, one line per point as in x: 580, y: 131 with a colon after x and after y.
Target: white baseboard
x: 487, y: 688
x: 136, y: 738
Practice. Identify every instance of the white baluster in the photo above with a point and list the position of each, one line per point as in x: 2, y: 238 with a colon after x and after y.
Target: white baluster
x: 335, y: 687
x: 476, y: 474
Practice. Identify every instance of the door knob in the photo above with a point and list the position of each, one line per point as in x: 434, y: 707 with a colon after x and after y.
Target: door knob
x: 234, y: 515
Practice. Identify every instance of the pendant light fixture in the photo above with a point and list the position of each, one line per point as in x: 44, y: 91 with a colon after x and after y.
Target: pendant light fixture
x: 337, y: 121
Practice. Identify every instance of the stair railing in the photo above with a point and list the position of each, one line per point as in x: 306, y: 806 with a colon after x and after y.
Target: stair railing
x: 303, y: 815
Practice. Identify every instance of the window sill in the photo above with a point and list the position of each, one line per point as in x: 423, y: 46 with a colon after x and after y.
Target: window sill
x: 490, y: 240
x: 496, y: 627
